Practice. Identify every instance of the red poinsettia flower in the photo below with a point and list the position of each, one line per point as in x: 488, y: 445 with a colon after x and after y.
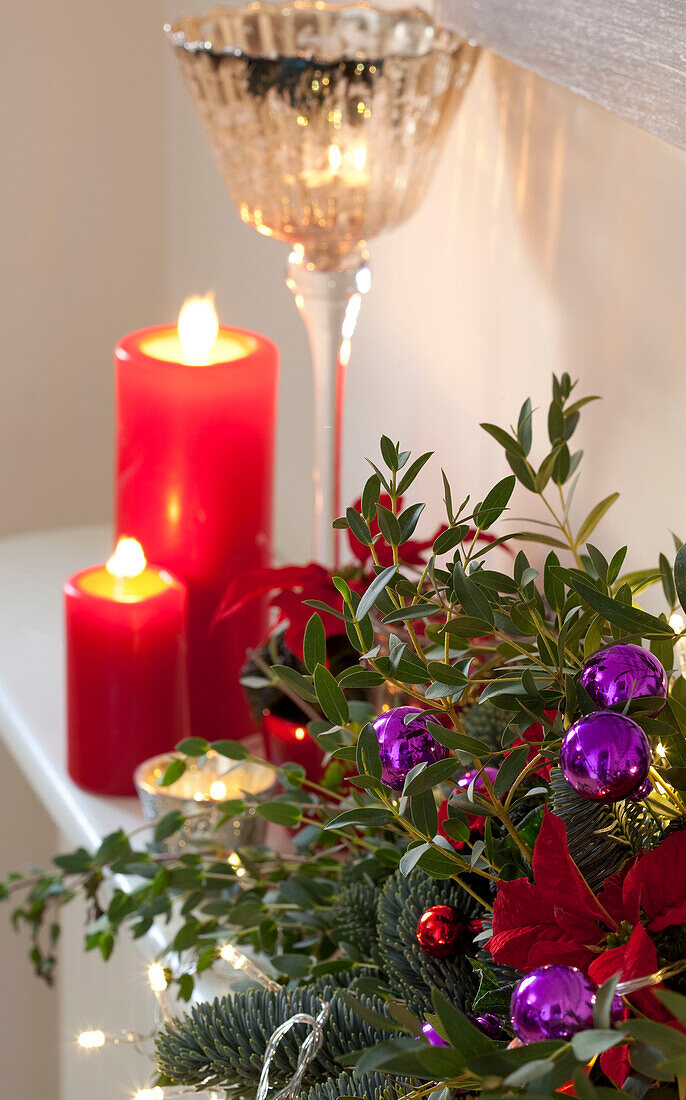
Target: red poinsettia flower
x: 634, y: 959
x: 287, y: 589
x: 554, y: 919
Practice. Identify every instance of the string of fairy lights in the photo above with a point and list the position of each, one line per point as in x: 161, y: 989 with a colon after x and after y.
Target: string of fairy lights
x: 95, y: 1039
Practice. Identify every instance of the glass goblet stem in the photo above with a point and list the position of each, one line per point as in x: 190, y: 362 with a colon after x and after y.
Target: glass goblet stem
x: 328, y: 300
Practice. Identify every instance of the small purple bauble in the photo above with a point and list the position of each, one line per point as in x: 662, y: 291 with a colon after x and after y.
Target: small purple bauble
x: 402, y: 746
x: 490, y: 1025
x: 623, y: 672
x: 465, y: 780
x: 432, y: 1035
x: 605, y: 756
x: 553, y: 1002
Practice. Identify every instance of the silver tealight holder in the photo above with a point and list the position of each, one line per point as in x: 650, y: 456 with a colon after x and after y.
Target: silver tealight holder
x: 199, y: 795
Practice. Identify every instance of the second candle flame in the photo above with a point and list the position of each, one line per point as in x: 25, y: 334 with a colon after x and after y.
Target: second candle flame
x: 198, y: 328
x: 128, y: 559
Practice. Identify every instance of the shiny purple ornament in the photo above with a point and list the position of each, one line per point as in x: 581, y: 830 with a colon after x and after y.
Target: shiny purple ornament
x: 553, y: 1002
x: 490, y: 1025
x: 402, y: 746
x: 624, y: 672
x: 465, y: 780
x: 605, y: 756
x: 432, y: 1035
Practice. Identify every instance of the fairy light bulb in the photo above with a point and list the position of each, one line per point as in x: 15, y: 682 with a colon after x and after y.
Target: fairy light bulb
x: 157, y: 978
x: 218, y: 790
x: 300, y: 734
x: 155, y: 1093
x: 198, y: 328
x: 128, y: 559
x: 90, y: 1040
x: 335, y: 157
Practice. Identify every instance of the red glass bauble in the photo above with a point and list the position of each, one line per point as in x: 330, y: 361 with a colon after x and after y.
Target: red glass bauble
x: 441, y: 932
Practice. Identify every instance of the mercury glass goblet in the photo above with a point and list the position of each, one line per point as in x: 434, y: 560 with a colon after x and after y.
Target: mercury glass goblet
x: 326, y: 122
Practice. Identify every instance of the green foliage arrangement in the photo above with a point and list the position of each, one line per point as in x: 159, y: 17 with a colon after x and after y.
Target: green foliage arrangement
x: 493, y: 658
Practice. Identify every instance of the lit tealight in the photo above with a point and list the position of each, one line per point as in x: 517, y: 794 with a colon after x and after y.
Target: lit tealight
x: 89, y: 1040
x: 218, y: 790
x: 198, y: 328
x: 128, y: 559
x: 157, y: 978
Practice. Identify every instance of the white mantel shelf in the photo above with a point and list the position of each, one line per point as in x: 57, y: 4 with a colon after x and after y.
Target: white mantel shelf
x: 33, y: 569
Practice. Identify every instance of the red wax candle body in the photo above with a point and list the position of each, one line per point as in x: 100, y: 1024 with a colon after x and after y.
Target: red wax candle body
x: 287, y: 741
x: 194, y: 485
x: 127, y: 687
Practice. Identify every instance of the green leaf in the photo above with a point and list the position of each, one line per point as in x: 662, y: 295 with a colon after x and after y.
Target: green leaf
x: 587, y: 1044
x: 330, y: 696
x: 232, y: 750
x: 314, y: 643
x: 448, y: 540
x: 680, y: 575
x: 388, y: 525
x: 361, y: 815
x: 359, y: 528
x: 674, y: 1002
x: 667, y: 581
x: 412, y: 471
x: 166, y: 826
x: 407, y: 521
x: 193, y: 746
x: 280, y: 813
x: 632, y: 619
x: 504, y: 438
x: 295, y: 966
x: 411, y: 857
x: 524, y: 426
x: 368, y: 758
x: 295, y: 680
x: 464, y: 1036
x: 374, y: 591
x: 471, y: 596
x: 431, y: 776
x: 389, y: 453
x: 495, y: 503
x: 174, y: 770
x: 522, y: 470
x: 510, y: 769
x: 370, y: 497
x: 594, y: 517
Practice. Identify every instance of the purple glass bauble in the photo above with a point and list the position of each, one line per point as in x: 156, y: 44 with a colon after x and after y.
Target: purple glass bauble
x: 605, y: 756
x: 432, y: 1035
x: 642, y: 792
x: 402, y: 746
x: 465, y: 780
x: 490, y: 1025
x: 553, y: 1002
x: 623, y: 672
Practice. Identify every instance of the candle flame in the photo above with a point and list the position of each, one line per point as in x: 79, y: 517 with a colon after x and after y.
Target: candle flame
x: 218, y: 790
x: 198, y: 328
x: 128, y: 559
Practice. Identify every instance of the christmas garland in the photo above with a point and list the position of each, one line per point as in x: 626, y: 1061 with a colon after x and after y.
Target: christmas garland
x: 487, y: 891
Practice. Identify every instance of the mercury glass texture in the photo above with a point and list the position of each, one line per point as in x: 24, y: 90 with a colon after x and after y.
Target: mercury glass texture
x: 326, y: 121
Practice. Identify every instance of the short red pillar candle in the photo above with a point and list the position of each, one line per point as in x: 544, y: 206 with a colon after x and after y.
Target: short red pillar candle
x: 196, y: 415
x: 127, y: 683
x: 287, y: 741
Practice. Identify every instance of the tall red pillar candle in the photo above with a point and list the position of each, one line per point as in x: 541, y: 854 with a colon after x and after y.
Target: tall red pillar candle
x: 195, y: 431
x: 127, y: 687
